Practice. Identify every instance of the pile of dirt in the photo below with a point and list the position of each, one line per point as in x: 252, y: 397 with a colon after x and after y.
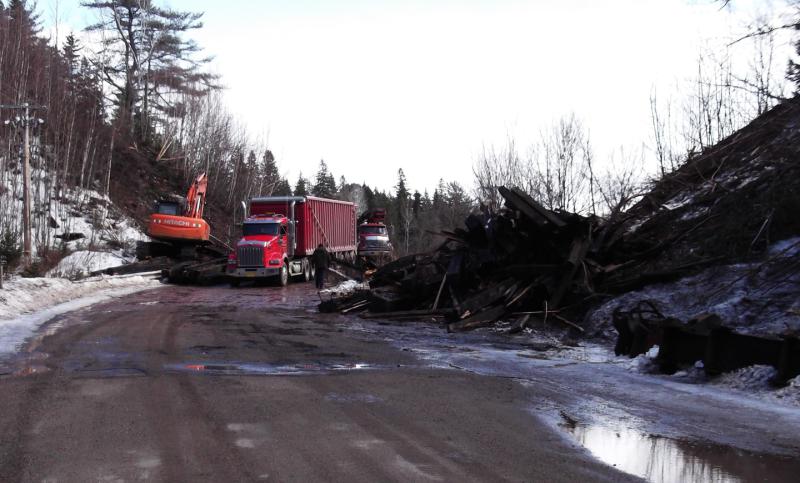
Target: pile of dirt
x: 720, y: 236
x: 727, y: 204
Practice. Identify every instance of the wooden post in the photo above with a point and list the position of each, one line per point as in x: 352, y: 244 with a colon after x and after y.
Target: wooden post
x: 26, y: 187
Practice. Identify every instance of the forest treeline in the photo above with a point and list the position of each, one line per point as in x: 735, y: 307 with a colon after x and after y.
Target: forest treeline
x: 141, y: 93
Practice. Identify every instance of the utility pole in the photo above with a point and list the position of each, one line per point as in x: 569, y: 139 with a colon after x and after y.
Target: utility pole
x: 25, y: 122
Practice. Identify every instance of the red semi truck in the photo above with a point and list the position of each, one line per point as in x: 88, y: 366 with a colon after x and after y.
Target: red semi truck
x: 281, y: 232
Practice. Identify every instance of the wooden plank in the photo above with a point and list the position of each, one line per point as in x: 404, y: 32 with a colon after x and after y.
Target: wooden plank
x: 439, y: 294
x: 360, y: 305
x: 481, y: 319
x: 576, y: 255
x: 519, y: 325
x: 405, y: 313
x: 530, y: 208
x: 485, y: 297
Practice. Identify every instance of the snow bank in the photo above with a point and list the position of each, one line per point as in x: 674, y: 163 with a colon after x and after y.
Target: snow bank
x: 753, y: 298
x: 26, y: 303
x: 81, y: 263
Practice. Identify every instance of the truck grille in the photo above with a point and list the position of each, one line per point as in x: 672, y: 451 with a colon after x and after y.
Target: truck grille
x: 250, y: 256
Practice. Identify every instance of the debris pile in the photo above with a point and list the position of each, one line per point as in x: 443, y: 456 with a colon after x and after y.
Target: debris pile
x: 526, y: 261
x: 718, y: 217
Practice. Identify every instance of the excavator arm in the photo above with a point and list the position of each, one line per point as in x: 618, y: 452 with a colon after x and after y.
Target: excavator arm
x: 196, y: 197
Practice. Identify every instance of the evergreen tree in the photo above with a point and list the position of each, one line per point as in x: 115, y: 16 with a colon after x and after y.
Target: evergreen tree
x: 401, y: 191
x: 325, y: 185
x: 70, y: 51
x: 401, y: 217
x: 272, y: 178
x: 301, y: 188
x: 426, y: 201
x: 369, y: 197
x: 417, y: 205
x: 24, y: 19
x: 282, y: 188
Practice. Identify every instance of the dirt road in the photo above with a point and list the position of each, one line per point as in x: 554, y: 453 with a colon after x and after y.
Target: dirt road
x: 214, y: 384
x: 184, y: 384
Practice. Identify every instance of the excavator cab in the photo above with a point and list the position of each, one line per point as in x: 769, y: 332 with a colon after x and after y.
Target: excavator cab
x: 165, y: 207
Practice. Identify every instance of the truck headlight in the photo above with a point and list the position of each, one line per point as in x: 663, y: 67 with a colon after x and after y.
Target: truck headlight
x: 274, y: 262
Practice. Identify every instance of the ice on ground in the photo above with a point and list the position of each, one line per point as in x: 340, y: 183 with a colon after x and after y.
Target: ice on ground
x: 345, y: 288
x: 27, y: 303
x: 81, y: 263
x: 751, y: 378
x: 755, y: 381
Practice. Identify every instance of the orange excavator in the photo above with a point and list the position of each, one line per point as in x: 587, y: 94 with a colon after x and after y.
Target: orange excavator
x: 182, y: 225
x: 179, y: 232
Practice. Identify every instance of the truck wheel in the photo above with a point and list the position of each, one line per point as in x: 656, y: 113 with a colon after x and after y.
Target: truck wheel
x: 283, y: 276
x: 307, y: 270
x: 234, y: 282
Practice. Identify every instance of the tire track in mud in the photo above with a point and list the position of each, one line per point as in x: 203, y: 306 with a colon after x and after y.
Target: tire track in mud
x: 407, y: 439
x: 15, y: 445
x: 192, y: 441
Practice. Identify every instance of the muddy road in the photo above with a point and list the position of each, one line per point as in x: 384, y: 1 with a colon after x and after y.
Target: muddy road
x: 213, y: 384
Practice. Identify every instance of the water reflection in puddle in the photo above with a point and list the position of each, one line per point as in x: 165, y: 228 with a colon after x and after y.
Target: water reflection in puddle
x: 261, y: 369
x: 659, y: 459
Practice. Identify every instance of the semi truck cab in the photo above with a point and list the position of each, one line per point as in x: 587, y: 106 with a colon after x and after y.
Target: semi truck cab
x: 373, y: 239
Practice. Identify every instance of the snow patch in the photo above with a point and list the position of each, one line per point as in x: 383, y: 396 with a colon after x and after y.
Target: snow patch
x: 345, y: 288
x: 27, y: 303
x: 81, y: 263
x: 679, y: 201
x: 752, y: 298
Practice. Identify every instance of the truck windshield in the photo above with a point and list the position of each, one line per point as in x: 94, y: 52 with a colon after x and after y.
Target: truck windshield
x: 372, y: 230
x: 261, y: 228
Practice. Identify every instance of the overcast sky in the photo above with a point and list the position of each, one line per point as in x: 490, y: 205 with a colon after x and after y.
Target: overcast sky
x: 373, y: 86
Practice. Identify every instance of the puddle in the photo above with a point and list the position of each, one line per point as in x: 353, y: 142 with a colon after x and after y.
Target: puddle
x: 262, y: 369
x: 658, y: 459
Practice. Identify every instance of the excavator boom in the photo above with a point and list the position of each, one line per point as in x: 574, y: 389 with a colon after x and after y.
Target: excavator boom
x: 196, y: 197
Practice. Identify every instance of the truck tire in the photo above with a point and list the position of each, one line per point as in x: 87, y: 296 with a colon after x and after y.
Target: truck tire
x: 307, y: 270
x: 234, y: 282
x: 283, y: 276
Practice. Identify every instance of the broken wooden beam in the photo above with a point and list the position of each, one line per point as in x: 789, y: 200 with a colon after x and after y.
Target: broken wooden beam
x: 406, y: 313
x: 481, y: 319
x: 530, y: 208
